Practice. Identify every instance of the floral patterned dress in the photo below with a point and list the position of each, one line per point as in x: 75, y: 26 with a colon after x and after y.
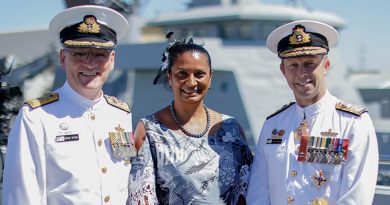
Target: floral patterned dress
x: 174, y: 169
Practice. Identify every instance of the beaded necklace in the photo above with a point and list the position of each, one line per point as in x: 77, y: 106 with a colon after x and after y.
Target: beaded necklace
x: 182, y: 127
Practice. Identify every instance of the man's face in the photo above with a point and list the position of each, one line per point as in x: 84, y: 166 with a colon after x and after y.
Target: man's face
x: 306, y: 77
x: 87, y: 69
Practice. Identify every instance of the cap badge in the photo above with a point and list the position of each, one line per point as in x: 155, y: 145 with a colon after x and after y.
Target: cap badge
x: 89, y: 25
x: 299, y: 35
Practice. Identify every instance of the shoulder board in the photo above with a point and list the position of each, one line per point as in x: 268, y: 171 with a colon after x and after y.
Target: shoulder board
x: 281, y: 109
x: 117, y: 103
x: 353, y: 109
x: 44, y: 100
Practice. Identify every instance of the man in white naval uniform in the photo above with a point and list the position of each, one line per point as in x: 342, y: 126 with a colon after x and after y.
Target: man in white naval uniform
x: 73, y: 145
x: 318, y: 150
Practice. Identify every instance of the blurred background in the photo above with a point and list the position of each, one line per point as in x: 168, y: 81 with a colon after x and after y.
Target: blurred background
x: 247, y: 83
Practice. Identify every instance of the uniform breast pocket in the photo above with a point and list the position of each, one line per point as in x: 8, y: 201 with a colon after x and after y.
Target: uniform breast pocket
x: 275, y: 151
x: 65, y: 150
x: 70, y: 147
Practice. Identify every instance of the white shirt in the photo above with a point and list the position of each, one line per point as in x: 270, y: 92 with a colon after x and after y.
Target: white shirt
x: 278, y: 178
x: 60, y: 153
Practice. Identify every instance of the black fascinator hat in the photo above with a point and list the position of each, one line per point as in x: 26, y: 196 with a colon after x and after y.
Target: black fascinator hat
x: 166, y: 64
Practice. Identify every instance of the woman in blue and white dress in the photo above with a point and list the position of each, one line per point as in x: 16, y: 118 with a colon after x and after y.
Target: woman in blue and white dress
x: 188, y: 153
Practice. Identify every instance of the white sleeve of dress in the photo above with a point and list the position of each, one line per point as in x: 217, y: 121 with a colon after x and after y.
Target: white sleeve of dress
x: 258, y: 181
x: 360, y: 171
x: 25, y: 169
x: 142, y: 180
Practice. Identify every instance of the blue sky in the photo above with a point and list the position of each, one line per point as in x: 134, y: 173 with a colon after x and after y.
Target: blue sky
x: 364, y: 42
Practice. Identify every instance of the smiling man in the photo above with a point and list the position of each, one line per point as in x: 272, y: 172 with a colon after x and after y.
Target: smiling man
x: 317, y: 150
x: 73, y: 146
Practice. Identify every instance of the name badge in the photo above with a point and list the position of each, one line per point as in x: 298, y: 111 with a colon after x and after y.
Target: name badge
x: 67, y: 138
x: 274, y: 141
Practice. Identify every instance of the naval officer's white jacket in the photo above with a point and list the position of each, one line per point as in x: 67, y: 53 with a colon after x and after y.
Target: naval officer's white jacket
x: 277, y: 177
x: 60, y: 153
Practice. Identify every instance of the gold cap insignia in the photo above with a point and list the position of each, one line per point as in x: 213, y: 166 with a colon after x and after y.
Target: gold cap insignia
x: 299, y: 36
x: 89, y: 25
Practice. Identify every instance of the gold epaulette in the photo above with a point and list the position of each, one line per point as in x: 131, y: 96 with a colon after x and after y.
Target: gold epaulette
x: 117, y: 103
x: 353, y: 109
x: 281, y: 110
x: 44, y: 100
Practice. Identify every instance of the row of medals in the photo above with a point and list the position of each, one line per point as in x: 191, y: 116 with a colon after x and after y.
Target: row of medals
x: 122, y: 146
x: 327, y: 150
x: 314, y: 154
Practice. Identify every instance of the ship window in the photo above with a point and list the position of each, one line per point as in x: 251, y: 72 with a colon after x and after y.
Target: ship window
x: 230, y: 32
x: 246, y: 32
x: 205, y: 31
x: 238, y: 31
x: 383, y: 143
x: 383, y: 173
x: 384, y: 158
x: 265, y: 30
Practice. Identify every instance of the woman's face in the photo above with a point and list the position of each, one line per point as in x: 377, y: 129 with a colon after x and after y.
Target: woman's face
x: 190, y: 77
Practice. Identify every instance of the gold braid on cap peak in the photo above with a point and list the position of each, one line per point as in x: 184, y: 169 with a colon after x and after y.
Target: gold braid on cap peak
x: 89, y: 43
x: 309, y: 50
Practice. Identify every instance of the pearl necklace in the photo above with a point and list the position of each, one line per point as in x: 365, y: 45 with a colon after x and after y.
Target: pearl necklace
x: 182, y: 127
